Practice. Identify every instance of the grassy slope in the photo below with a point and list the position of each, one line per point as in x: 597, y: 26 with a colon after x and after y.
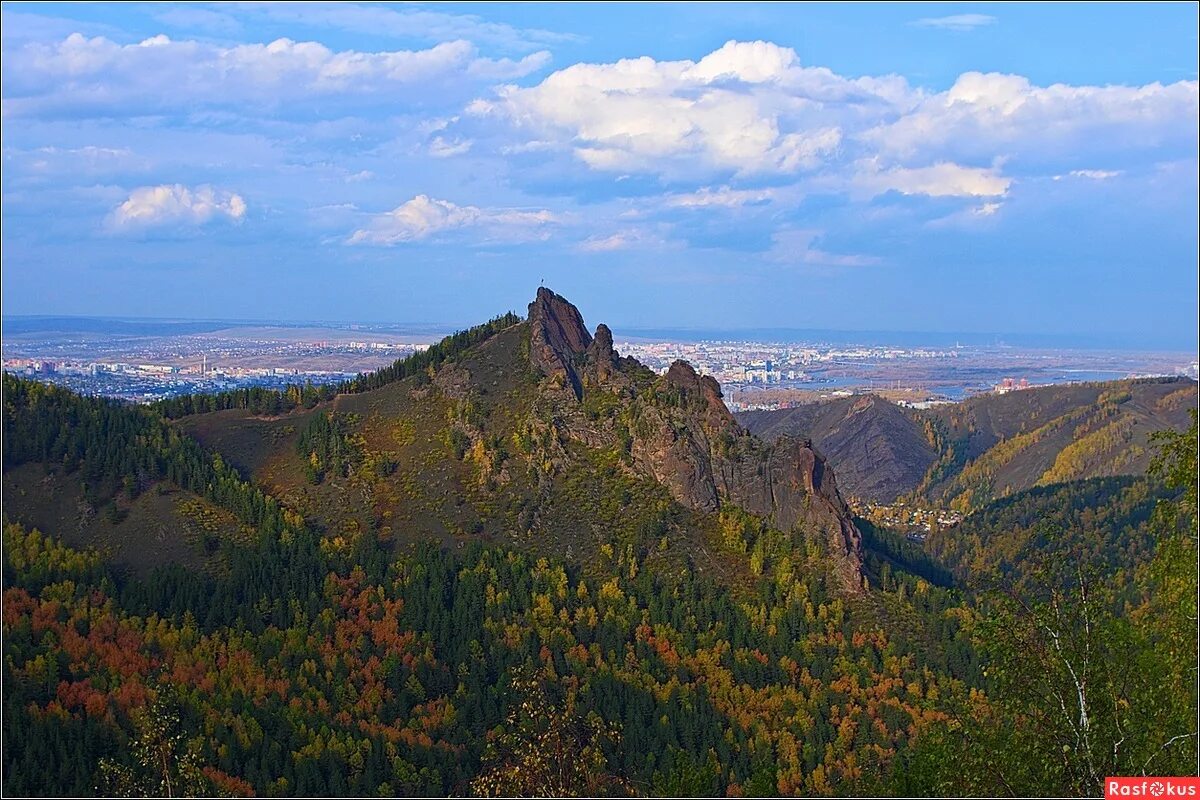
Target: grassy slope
x: 163, y: 525
x: 1099, y: 522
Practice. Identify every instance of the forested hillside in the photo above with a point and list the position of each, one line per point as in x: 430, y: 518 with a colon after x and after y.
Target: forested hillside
x: 529, y: 566
x: 964, y: 455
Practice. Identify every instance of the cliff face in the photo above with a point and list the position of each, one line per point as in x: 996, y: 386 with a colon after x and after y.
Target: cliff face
x: 557, y: 338
x: 683, y: 436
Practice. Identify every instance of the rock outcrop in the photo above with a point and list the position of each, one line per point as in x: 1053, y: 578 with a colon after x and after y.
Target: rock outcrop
x: 705, y: 458
x: 685, y: 437
x: 601, y: 358
x: 557, y: 338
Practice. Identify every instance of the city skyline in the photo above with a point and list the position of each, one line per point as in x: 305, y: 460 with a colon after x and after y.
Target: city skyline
x: 963, y: 168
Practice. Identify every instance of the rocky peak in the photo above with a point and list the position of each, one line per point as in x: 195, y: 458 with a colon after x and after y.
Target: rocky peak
x: 557, y: 336
x: 602, y: 343
x: 683, y: 376
x: 705, y: 392
x: 601, y: 358
x: 692, y: 444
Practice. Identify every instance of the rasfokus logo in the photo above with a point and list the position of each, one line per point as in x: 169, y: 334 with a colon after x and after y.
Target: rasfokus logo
x: 1154, y: 787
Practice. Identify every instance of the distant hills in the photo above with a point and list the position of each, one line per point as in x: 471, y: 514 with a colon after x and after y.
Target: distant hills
x: 967, y: 454
x: 134, y: 326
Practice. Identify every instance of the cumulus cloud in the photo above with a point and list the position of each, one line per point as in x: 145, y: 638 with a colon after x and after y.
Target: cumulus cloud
x: 943, y: 179
x: 957, y: 22
x: 746, y: 108
x: 149, y: 206
x: 423, y: 217
x: 81, y: 75
x: 750, y: 112
x: 984, y: 115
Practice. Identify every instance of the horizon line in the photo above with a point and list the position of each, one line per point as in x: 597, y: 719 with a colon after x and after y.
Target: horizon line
x: 1097, y: 340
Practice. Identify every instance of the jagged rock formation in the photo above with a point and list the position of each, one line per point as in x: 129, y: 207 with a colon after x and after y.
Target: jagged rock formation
x: 684, y: 436
x: 557, y: 336
x: 601, y: 358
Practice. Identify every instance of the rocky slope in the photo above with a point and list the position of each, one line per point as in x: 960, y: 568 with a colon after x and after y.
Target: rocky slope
x: 684, y: 436
x: 881, y: 450
x: 967, y: 454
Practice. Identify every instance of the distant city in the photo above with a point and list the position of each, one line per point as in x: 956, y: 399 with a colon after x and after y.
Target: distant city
x: 768, y: 375
x: 143, y: 362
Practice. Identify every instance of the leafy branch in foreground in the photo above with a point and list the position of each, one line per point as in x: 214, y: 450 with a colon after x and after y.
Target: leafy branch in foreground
x: 547, y: 749
x: 1079, y: 685
x: 164, y: 763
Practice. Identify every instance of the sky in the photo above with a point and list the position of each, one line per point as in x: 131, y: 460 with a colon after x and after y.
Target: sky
x: 993, y: 168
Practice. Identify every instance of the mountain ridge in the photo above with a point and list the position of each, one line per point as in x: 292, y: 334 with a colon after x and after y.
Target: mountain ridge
x: 966, y: 454
x: 537, y: 431
x: 694, y: 445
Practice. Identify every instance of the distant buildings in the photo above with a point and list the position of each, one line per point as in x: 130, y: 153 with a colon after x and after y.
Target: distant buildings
x: 923, y: 404
x: 1010, y: 385
x: 914, y: 521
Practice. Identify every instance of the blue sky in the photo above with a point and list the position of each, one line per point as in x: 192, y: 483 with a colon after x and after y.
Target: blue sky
x: 934, y: 167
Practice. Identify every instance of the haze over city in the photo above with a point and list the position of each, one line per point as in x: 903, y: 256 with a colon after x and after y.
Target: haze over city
x: 954, y: 168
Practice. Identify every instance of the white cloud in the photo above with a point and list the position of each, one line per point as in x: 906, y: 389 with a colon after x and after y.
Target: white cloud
x: 81, y: 75
x: 441, y: 147
x: 985, y: 115
x: 748, y: 107
x: 1091, y: 174
x: 504, y: 69
x: 423, y: 217
x: 943, y: 179
x: 752, y: 110
x: 798, y: 246
x: 176, y: 204
x: 626, y: 239
x: 957, y: 22
x: 721, y: 197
